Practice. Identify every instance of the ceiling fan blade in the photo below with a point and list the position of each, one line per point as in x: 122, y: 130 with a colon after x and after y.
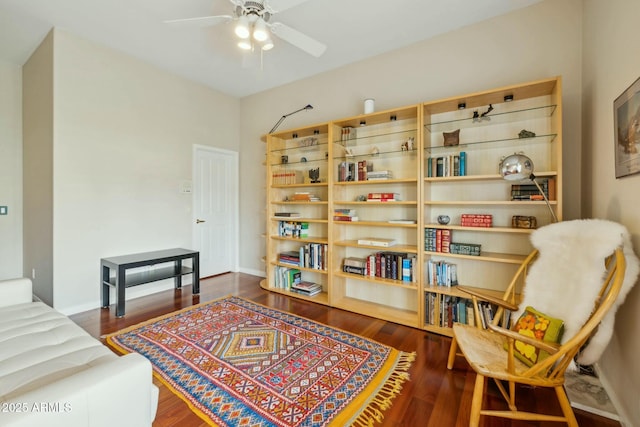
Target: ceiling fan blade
x: 203, y: 21
x: 281, y: 5
x: 298, y: 39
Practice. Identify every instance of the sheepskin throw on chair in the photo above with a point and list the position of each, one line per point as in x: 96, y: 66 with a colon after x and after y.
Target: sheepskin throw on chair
x: 570, y: 269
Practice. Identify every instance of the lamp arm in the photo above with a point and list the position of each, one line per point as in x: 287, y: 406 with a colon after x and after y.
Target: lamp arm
x: 306, y: 107
x: 532, y: 177
x: 278, y: 123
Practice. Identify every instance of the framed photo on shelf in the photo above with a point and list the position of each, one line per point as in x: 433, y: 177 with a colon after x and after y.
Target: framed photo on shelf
x: 626, y: 120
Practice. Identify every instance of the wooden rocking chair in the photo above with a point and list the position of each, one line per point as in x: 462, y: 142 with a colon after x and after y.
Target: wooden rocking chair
x: 484, y: 350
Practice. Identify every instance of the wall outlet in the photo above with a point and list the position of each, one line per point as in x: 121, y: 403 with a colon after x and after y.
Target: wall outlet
x: 33, y: 273
x: 4, y: 210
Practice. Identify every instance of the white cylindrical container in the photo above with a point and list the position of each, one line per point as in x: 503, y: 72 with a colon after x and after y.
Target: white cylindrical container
x: 369, y: 105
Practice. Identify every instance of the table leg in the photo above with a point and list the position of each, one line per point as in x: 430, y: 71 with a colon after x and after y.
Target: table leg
x: 105, y: 287
x: 177, y: 280
x: 120, y: 284
x: 196, y: 274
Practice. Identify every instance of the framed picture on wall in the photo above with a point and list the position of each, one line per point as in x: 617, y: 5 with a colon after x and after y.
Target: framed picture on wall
x: 626, y: 120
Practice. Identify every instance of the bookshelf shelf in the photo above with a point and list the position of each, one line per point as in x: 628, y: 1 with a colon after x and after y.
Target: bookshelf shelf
x: 395, y: 151
x: 361, y: 223
x: 483, y: 257
x: 395, y: 248
x: 309, y: 220
x: 303, y: 240
x: 311, y: 270
x: 386, y: 282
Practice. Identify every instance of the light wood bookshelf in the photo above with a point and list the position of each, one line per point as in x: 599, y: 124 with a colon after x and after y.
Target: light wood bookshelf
x: 380, y: 139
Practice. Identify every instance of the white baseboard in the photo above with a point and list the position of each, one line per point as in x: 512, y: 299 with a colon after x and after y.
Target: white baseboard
x: 253, y: 272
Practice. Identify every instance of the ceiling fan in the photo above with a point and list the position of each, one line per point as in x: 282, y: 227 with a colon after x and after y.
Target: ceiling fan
x: 253, y: 25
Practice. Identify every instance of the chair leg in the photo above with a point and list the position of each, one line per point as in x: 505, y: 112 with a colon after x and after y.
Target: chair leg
x: 453, y: 350
x: 566, y: 407
x: 476, y: 401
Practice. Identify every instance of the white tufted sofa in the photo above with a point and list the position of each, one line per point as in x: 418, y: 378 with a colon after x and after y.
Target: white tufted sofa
x: 53, y: 373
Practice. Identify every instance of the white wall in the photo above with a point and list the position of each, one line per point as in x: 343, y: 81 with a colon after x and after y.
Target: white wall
x: 11, y: 170
x: 123, y: 136
x: 533, y: 43
x: 611, y: 64
x: 37, y: 169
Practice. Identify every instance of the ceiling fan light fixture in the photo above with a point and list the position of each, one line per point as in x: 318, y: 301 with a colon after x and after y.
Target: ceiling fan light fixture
x: 260, y: 30
x: 242, y: 27
x: 268, y: 44
x: 244, y: 45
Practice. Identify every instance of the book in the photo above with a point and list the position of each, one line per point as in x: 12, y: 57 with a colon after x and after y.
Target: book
x: 463, y: 163
x: 288, y: 214
x: 377, y: 241
x: 345, y: 218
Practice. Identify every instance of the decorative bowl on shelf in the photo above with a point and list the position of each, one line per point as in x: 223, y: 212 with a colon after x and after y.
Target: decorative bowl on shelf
x: 443, y: 219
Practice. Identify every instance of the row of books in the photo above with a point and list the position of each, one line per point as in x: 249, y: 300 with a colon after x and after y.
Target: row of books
x: 449, y: 165
x: 348, y: 133
x: 291, y: 280
x: 361, y: 171
x: 287, y: 177
x: 445, y: 310
x: 386, y: 265
x: 531, y: 191
x: 294, y: 229
x: 442, y: 273
x: 439, y: 240
x: 285, y: 277
x: 311, y: 255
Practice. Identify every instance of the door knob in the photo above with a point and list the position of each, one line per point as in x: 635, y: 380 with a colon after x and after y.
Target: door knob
x: 198, y: 221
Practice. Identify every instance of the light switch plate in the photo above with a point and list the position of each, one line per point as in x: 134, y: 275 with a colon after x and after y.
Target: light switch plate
x: 4, y: 210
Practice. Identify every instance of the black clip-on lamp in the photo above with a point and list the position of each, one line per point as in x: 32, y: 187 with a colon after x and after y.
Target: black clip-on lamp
x: 307, y: 107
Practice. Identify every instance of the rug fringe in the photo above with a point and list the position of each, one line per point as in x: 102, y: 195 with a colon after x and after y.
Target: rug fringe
x: 391, y: 388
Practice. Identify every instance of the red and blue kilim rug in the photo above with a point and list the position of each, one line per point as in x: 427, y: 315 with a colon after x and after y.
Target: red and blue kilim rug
x: 238, y: 363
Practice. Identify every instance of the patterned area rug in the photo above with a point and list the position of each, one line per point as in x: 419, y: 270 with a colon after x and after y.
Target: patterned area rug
x: 238, y: 363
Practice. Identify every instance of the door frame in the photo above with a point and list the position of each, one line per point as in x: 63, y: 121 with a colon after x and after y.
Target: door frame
x: 234, y: 193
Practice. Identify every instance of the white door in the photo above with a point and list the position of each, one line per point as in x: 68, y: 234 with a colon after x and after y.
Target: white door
x: 215, y: 209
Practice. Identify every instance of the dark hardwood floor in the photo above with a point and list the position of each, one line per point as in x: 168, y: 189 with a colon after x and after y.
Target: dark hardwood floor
x: 434, y: 396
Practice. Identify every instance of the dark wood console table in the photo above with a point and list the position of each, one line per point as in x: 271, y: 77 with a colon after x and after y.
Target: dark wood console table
x: 121, y: 280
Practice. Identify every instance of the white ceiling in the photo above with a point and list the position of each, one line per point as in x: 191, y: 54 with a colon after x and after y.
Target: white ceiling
x: 352, y: 30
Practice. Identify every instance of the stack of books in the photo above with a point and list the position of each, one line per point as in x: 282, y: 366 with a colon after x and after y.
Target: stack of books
x: 304, y: 196
x: 345, y: 215
x: 376, y: 241
x: 354, y: 265
x: 287, y: 214
x: 531, y: 192
x: 290, y: 258
x: 383, y: 197
x: 476, y: 220
x: 306, y: 288
x: 379, y: 175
